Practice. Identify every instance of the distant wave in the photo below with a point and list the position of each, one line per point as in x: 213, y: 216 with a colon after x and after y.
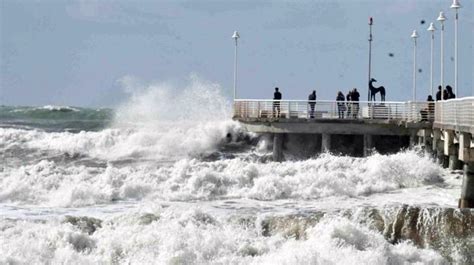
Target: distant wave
x: 55, y: 118
x: 59, y: 108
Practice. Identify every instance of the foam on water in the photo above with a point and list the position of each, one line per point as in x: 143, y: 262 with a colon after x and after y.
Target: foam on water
x: 167, y: 236
x: 55, y: 184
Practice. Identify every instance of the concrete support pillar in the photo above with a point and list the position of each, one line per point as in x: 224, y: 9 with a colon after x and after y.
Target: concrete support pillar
x: 368, y: 144
x: 454, y: 162
x: 436, y: 139
x: 465, y: 152
x: 467, y: 190
x: 427, y: 140
x: 436, y: 145
x: 413, y: 138
x: 278, y: 147
x: 450, y: 150
x: 448, y: 142
x: 325, y: 142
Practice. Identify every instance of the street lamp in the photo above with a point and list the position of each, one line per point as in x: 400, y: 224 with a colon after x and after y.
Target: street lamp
x: 441, y: 19
x: 414, y: 36
x: 456, y: 5
x: 432, y: 29
x: 236, y: 36
x: 371, y: 22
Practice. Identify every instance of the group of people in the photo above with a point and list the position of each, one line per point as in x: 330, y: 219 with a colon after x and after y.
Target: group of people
x: 348, y: 106
x: 351, y: 108
x: 446, y: 93
x: 427, y: 114
x: 348, y: 110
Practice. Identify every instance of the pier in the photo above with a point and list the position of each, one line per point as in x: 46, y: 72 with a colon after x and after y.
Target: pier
x: 442, y: 128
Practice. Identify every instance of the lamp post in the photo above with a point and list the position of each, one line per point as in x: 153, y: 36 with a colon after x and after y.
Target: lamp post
x: 456, y: 5
x: 414, y: 36
x: 236, y: 36
x: 441, y: 19
x: 371, y: 22
x: 432, y: 29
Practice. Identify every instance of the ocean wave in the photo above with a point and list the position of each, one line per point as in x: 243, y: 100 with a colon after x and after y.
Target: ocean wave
x: 59, y: 108
x: 54, y: 184
x: 170, y: 143
x: 158, y: 122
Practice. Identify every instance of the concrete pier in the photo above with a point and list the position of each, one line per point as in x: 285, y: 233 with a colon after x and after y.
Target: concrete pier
x: 385, y: 127
x: 278, y: 147
x: 467, y: 190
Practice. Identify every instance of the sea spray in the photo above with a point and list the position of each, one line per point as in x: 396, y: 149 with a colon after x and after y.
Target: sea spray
x: 158, y: 122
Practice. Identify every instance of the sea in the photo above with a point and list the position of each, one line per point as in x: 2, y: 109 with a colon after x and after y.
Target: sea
x: 167, y: 177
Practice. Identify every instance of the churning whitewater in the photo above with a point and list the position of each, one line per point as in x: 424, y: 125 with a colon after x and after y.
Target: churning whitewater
x: 168, y: 178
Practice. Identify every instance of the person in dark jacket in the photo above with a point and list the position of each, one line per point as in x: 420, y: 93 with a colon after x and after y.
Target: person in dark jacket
x: 312, y: 103
x: 438, y: 94
x: 427, y: 114
x: 355, y: 108
x: 341, y: 106
x: 349, y: 104
x: 445, y: 94
x: 449, y: 91
x: 276, y: 102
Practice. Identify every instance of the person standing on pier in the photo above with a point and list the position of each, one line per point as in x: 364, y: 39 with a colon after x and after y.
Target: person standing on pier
x: 449, y: 91
x: 438, y: 94
x: 312, y: 103
x: 349, y: 104
x: 355, y: 97
x: 341, y: 106
x: 276, y: 103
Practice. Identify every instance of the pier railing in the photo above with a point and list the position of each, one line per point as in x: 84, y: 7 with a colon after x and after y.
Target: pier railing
x: 326, y: 109
x: 455, y: 112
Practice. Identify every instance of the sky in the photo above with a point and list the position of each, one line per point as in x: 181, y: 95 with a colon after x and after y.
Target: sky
x: 76, y: 52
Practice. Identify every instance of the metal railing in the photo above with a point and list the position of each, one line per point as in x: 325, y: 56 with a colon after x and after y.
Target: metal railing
x: 326, y: 109
x: 455, y: 112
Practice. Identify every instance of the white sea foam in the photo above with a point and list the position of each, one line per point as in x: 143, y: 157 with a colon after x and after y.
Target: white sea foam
x: 51, y: 183
x: 58, y: 108
x: 198, y: 237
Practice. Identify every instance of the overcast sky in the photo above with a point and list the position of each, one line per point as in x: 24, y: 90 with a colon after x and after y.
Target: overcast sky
x: 74, y: 52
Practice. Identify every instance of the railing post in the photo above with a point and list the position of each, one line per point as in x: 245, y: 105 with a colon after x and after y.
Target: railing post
x: 258, y: 110
x: 289, y: 109
x: 372, y: 106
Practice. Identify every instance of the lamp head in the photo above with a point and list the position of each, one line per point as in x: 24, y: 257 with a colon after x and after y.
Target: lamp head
x: 236, y: 35
x: 456, y: 4
x: 441, y: 17
x: 432, y: 27
x: 414, y: 35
